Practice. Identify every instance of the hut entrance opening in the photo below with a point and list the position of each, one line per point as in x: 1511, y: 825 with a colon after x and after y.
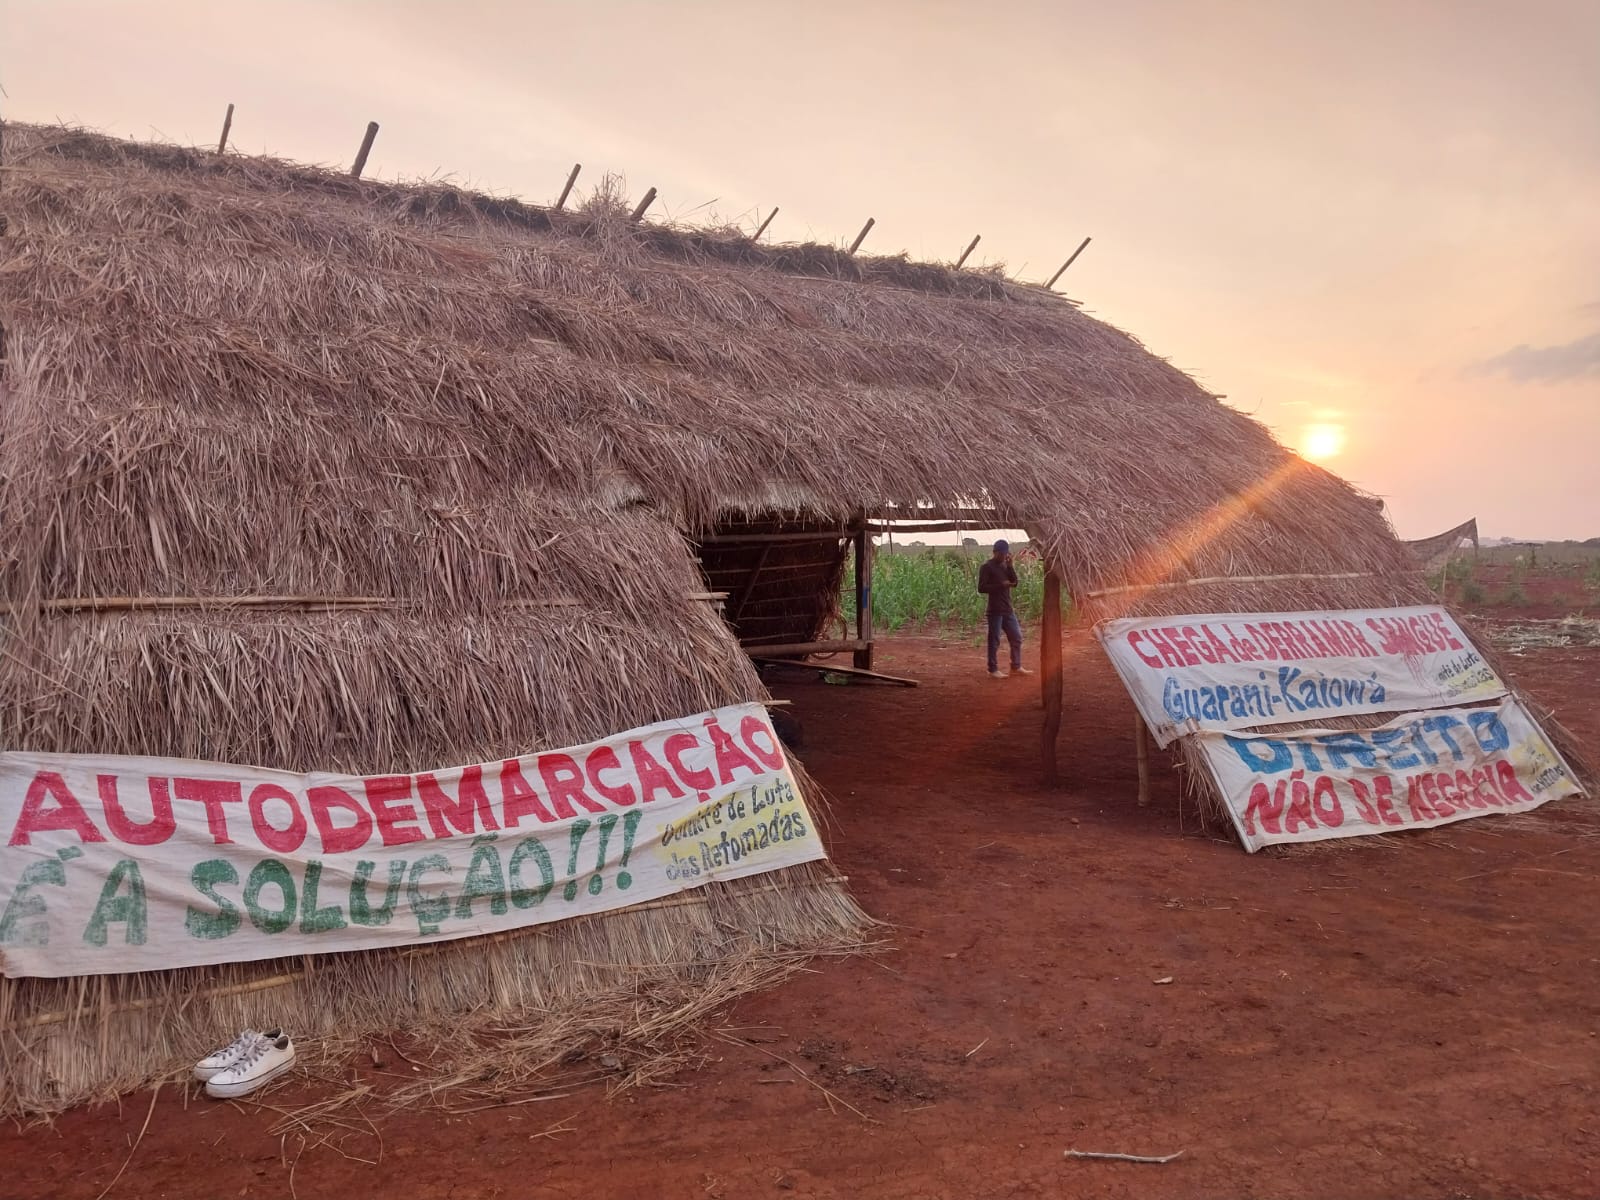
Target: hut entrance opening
x: 781, y: 577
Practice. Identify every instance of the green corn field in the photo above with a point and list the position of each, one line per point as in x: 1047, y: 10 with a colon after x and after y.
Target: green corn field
x: 937, y: 586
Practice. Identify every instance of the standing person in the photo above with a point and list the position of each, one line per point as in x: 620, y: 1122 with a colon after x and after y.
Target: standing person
x: 996, y: 578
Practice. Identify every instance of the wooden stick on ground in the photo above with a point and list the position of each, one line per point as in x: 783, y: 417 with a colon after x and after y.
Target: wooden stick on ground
x: 790, y: 1063
x: 971, y: 246
x: 1134, y: 1158
x: 762, y: 228
x: 227, y: 124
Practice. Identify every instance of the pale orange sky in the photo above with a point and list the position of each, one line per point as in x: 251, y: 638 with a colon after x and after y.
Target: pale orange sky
x: 1383, y: 217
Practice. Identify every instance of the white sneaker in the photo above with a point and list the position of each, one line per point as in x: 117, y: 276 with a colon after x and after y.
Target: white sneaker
x: 1021, y: 671
x: 999, y: 674
x: 220, y: 1060
x: 264, y: 1061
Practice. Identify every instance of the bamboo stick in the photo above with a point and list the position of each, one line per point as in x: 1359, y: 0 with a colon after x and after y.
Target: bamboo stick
x: 567, y: 188
x: 755, y: 539
x: 836, y: 669
x: 971, y: 246
x: 756, y: 649
x: 638, y: 213
x: 1141, y: 744
x: 1180, y: 583
x: 862, y: 236
x: 366, y: 149
x: 1069, y: 262
x: 762, y: 228
x: 863, y: 553
x: 227, y: 124
x: 1050, y: 672
x: 275, y: 981
x: 137, y: 603
x: 98, y: 1010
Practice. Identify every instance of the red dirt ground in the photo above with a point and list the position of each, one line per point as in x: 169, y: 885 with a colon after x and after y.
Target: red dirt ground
x: 1404, y: 1017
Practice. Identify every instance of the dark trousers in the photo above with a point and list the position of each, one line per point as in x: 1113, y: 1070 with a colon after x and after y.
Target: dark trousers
x: 1007, y: 624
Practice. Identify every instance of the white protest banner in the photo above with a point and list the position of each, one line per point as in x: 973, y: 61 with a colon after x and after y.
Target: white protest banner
x: 1240, y: 670
x: 136, y: 864
x: 1419, y: 770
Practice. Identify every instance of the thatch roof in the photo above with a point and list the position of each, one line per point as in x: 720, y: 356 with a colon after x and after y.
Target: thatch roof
x: 236, y: 375
x: 236, y: 378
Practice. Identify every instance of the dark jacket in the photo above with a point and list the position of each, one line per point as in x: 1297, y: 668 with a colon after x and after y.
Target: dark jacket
x: 992, y: 579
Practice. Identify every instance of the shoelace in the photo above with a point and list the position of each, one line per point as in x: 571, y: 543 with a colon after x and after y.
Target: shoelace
x: 257, y: 1051
x: 239, y: 1044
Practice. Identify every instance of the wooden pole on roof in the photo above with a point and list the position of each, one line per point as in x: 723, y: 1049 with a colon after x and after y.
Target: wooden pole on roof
x: 566, y: 190
x: 1050, y: 670
x: 862, y: 236
x: 227, y: 124
x: 763, y: 226
x: 971, y: 246
x: 366, y: 149
x: 1069, y: 262
x: 638, y: 213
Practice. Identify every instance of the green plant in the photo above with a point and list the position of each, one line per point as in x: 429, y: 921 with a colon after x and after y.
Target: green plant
x: 1514, y: 596
x: 1471, y: 592
x: 937, y: 586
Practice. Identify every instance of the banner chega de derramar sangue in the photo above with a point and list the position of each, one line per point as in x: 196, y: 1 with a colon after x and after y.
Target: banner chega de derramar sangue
x: 117, y: 864
x: 1239, y: 670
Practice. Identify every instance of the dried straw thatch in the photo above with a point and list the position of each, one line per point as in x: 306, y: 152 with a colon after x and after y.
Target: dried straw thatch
x: 232, y: 377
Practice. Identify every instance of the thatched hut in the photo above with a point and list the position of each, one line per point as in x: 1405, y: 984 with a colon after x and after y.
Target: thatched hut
x: 310, y: 472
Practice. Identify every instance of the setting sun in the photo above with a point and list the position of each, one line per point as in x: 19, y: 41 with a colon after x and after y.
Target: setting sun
x: 1318, y: 442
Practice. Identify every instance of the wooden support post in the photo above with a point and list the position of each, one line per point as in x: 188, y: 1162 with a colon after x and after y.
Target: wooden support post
x: 566, y: 189
x: 862, y: 236
x: 971, y: 246
x: 1141, y: 744
x: 638, y: 213
x: 762, y: 228
x: 366, y: 149
x: 863, y: 657
x: 1050, y: 670
x: 227, y: 124
x: 1069, y: 262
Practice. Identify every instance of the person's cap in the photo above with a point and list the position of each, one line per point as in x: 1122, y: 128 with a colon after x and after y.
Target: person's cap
x: 1002, y: 546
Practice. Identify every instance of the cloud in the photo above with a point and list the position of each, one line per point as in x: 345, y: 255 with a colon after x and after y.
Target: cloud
x: 1548, y: 364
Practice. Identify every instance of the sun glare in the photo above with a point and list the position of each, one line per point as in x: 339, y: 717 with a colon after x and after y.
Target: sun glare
x: 1318, y: 442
